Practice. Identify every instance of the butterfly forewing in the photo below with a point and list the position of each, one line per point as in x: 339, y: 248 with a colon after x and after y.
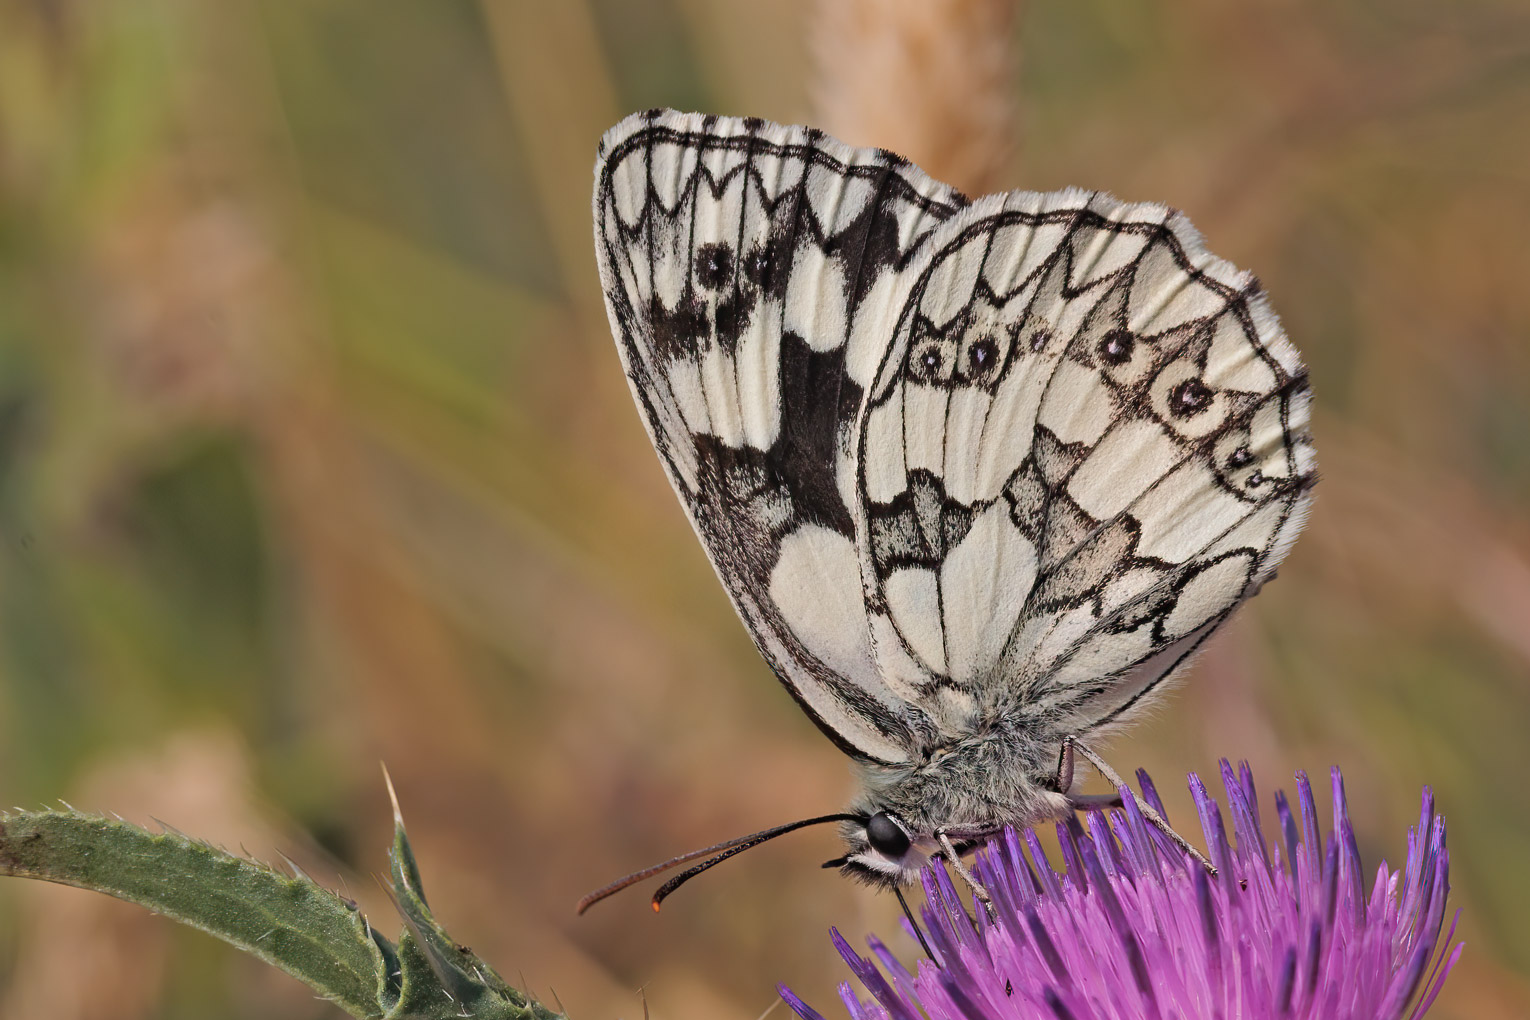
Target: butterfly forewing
x: 753, y: 276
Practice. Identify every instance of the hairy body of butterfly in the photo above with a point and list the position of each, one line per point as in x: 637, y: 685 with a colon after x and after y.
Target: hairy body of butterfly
x: 978, y: 476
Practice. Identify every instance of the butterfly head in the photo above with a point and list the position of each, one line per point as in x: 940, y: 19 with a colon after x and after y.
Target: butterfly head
x: 962, y: 796
x: 883, y: 849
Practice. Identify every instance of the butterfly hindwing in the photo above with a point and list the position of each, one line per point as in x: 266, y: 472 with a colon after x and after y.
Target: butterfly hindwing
x: 752, y: 275
x: 1086, y: 445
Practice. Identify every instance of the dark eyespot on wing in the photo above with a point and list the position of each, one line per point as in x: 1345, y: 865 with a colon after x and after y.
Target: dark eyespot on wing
x: 1189, y: 398
x: 1115, y: 347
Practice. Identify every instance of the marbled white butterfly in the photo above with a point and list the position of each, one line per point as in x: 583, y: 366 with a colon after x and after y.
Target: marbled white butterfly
x: 980, y: 477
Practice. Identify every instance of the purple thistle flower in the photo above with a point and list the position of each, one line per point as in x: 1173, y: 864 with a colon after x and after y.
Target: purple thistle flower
x: 1135, y: 928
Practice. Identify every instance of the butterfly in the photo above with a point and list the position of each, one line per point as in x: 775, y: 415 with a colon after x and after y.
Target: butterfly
x: 980, y: 477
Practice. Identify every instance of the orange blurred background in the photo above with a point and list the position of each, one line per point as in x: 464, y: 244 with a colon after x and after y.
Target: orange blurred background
x: 315, y: 450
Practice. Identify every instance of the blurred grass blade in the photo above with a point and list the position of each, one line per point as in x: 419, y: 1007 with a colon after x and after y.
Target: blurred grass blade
x: 292, y: 923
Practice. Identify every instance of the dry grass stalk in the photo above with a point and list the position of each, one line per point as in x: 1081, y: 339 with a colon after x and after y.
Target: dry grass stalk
x: 930, y: 79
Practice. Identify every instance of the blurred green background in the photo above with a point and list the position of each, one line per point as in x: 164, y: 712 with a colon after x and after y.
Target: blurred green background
x: 315, y: 451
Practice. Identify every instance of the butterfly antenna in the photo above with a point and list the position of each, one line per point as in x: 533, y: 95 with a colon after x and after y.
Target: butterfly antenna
x: 722, y: 850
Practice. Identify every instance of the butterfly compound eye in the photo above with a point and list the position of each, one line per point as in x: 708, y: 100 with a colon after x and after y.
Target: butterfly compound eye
x: 886, y: 836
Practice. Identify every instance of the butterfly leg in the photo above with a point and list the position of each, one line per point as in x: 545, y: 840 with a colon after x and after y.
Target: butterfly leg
x: 961, y: 869
x: 1071, y: 745
x: 1064, y: 781
x: 1065, y: 764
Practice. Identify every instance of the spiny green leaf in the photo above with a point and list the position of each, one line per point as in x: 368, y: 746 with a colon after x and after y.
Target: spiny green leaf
x: 290, y: 923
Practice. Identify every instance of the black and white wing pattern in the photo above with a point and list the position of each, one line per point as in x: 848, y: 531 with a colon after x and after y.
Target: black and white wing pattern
x: 1085, y: 446
x: 753, y: 275
x: 953, y: 462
